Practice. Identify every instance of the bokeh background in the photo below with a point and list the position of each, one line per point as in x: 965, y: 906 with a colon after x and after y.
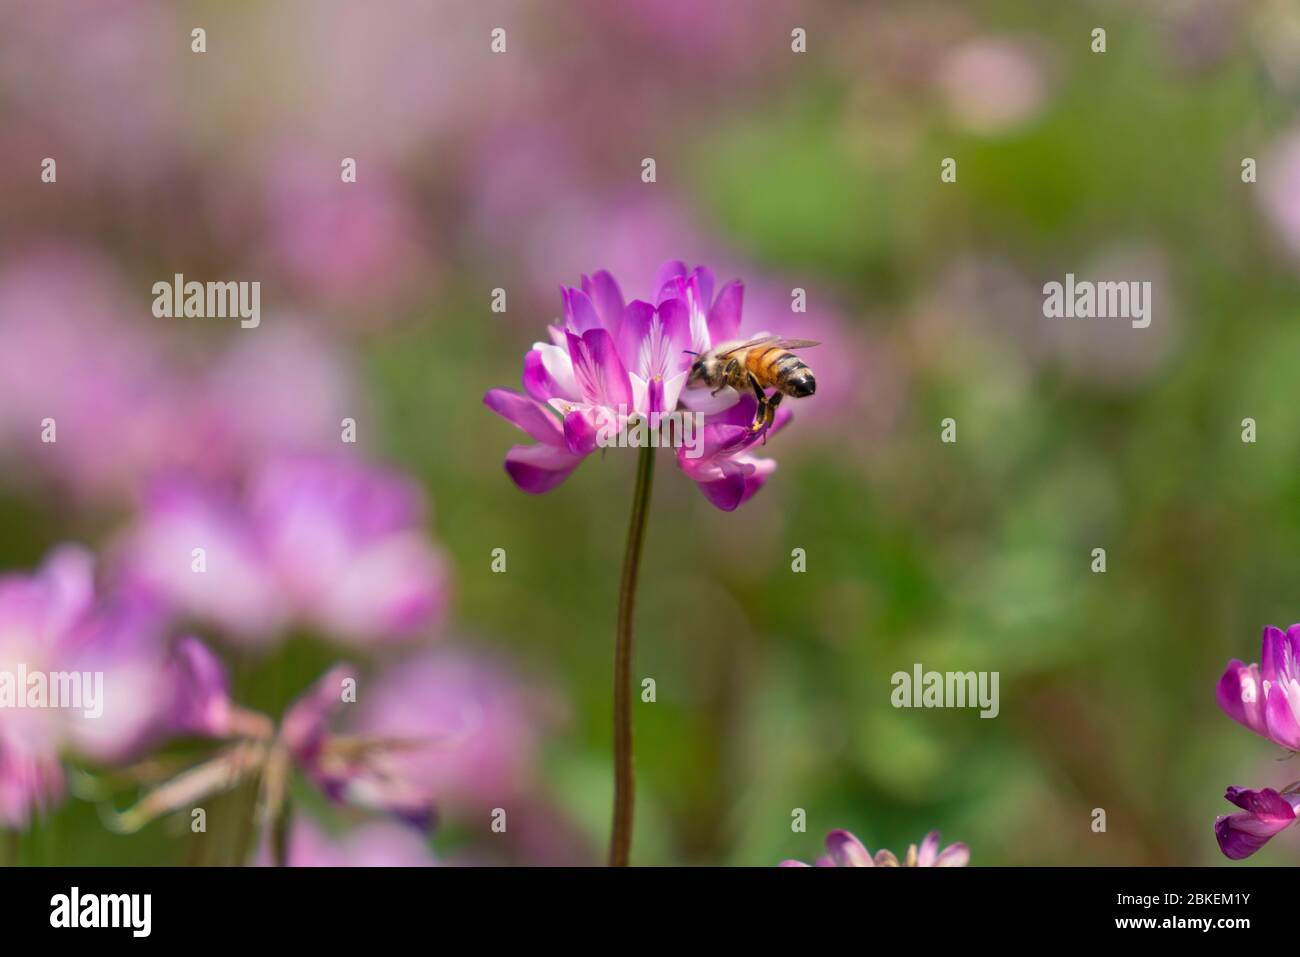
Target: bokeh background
x: 818, y: 170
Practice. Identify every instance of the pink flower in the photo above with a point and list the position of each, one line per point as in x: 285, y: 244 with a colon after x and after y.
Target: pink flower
x: 1280, y: 189
x: 610, y: 362
x: 346, y: 768
x: 1264, y: 813
x: 728, y: 473
x: 137, y: 688
x: 349, y: 769
x: 993, y: 84
x: 1265, y: 697
x: 327, y: 541
x: 372, y: 844
x: 85, y: 396
x: 351, y: 243
x: 480, y: 725
x: 845, y: 850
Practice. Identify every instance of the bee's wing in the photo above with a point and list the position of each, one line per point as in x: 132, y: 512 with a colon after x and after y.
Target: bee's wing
x: 765, y: 340
x: 728, y: 348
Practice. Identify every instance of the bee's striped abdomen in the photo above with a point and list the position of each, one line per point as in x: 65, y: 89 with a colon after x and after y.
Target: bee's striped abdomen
x: 793, y: 377
x: 762, y: 362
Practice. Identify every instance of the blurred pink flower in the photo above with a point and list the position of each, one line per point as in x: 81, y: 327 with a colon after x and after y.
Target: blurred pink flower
x: 371, y: 844
x: 52, y: 621
x: 365, y: 770
x: 73, y: 362
x: 479, y: 724
x: 390, y: 78
x: 322, y: 540
x: 342, y: 244
x: 103, y: 77
x: 349, y: 769
x: 1280, y: 189
x: 285, y: 390
x: 845, y: 850
x: 993, y: 84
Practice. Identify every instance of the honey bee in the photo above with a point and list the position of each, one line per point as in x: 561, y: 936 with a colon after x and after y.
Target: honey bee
x: 762, y: 363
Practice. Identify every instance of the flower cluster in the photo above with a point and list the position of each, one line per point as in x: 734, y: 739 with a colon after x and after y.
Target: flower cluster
x: 845, y: 850
x: 54, y: 622
x: 326, y: 541
x: 610, y: 360
x: 1265, y: 698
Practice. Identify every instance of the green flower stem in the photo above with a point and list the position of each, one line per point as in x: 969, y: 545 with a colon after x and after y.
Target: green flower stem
x: 620, y: 843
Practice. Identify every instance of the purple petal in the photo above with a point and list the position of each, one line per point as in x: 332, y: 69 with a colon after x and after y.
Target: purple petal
x: 929, y: 850
x: 528, y: 414
x: 1265, y: 813
x: 1240, y: 694
x: 1272, y: 657
x: 954, y: 855
x: 604, y: 293
x: 580, y: 432
x: 202, y: 703
x: 1281, y: 707
x: 667, y: 274
x: 655, y: 395
x: 633, y: 335
x: 69, y: 573
x: 536, y: 380
x: 600, y: 373
x: 846, y: 850
x: 725, y: 492
x: 724, y: 317
x: 540, y: 468
x: 304, y: 726
x: 652, y: 342
x: 580, y: 313
x: 792, y: 864
x: 29, y: 782
x: 701, y: 287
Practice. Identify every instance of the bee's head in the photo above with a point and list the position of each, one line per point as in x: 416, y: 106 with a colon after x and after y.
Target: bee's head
x: 700, y: 370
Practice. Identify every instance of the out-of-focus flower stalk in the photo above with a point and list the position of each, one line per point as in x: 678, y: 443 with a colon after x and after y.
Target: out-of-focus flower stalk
x: 620, y: 843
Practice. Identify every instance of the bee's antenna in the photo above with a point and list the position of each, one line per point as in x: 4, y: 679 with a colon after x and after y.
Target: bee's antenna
x: 690, y: 353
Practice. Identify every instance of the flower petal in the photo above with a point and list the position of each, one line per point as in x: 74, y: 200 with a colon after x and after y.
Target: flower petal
x: 1265, y: 813
x: 1240, y: 694
x: 603, y: 291
x: 540, y: 468
x: 846, y: 850
x: 1282, y: 713
x: 202, y: 703
x: 580, y: 432
x: 667, y: 275
x: 1272, y: 656
x: 726, y: 491
x: 559, y: 369
x: 929, y: 850
x: 580, y: 313
x: 598, y: 370
x: 724, y: 317
x: 954, y: 855
x: 528, y: 414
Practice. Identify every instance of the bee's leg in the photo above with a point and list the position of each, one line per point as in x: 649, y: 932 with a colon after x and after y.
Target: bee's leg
x: 728, y: 371
x: 760, y: 414
x: 769, y: 413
